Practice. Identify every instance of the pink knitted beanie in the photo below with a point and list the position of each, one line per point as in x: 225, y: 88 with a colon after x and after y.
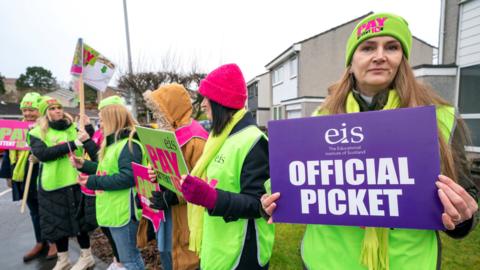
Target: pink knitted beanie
x: 226, y: 86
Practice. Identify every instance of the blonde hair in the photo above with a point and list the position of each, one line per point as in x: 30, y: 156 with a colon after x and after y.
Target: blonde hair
x: 42, y: 122
x: 116, y: 118
x: 412, y: 93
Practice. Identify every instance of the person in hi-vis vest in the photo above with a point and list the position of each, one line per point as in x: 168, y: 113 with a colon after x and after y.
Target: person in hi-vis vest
x: 379, y: 77
x: 52, y: 140
x: 224, y: 187
x: 112, y: 179
x: 172, y: 109
x: 15, y: 169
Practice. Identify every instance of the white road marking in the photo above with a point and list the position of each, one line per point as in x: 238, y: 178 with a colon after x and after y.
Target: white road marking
x: 5, y: 192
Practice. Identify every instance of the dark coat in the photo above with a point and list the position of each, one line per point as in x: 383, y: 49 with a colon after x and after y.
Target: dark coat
x: 62, y: 213
x: 86, y: 208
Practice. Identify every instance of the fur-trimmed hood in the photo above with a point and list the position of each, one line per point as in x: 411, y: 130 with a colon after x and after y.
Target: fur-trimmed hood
x: 170, y: 104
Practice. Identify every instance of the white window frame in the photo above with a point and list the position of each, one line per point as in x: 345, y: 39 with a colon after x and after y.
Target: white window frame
x: 279, y: 111
x: 293, y: 66
x: 475, y: 116
x: 297, y: 112
x: 277, y: 76
x: 469, y: 148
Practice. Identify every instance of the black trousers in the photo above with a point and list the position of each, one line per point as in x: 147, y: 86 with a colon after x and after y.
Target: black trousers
x: 32, y: 204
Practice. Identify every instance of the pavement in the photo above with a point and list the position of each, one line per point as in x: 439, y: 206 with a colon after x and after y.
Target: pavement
x: 17, y: 237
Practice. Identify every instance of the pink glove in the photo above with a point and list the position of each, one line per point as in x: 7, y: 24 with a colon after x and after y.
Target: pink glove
x: 199, y: 192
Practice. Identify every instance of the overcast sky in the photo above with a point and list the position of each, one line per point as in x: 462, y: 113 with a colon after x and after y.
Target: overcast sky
x: 206, y: 33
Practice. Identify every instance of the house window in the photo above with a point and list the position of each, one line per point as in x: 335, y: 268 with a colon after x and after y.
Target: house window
x: 468, y: 97
x: 277, y: 113
x: 294, y: 114
x: 293, y: 111
x: 277, y: 76
x: 253, y: 90
x: 474, y: 127
x: 293, y: 67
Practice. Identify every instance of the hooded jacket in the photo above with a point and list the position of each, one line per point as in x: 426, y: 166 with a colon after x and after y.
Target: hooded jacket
x: 172, y: 107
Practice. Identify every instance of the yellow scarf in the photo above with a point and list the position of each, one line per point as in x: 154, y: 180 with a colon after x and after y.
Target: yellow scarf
x: 374, y: 254
x: 212, y: 146
x: 19, y: 158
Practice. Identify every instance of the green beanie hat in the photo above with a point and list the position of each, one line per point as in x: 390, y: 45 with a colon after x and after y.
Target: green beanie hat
x: 379, y: 24
x: 30, y: 100
x: 112, y: 100
x: 46, y: 102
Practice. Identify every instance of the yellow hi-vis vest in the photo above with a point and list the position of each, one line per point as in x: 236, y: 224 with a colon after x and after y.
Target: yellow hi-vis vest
x: 222, y: 242
x: 339, y: 247
x: 58, y: 173
x: 113, y: 207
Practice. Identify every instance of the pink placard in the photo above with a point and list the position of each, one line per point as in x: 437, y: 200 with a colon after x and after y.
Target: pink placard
x: 144, y: 191
x: 13, y: 134
x: 86, y: 191
x: 97, y: 137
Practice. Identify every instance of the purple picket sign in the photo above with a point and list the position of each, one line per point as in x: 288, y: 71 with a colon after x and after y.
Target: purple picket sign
x: 13, y: 134
x: 144, y: 191
x: 361, y: 169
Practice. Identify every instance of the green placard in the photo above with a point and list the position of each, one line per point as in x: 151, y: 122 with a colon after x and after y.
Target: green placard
x: 165, y: 155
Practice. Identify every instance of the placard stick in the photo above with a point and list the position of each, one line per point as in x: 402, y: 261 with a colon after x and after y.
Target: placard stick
x: 27, y: 187
x: 81, y: 97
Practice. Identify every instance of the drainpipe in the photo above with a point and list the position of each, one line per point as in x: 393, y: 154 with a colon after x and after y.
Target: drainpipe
x: 441, y: 33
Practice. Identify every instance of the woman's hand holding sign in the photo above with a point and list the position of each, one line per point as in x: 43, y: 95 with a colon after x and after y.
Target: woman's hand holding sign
x: 84, y: 119
x: 151, y: 174
x: 82, y: 136
x: 77, y: 162
x: 197, y: 191
x: 458, y: 205
x: 82, y: 180
x: 269, y: 205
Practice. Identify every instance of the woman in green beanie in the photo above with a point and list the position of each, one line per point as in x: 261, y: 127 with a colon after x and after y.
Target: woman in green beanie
x: 15, y: 166
x: 53, y: 139
x: 379, y: 77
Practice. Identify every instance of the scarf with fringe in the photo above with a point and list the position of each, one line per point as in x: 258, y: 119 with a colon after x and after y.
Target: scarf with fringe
x: 374, y: 254
x: 212, y: 146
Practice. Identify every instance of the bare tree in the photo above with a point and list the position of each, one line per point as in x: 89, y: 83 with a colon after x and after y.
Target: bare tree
x: 2, y: 85
x: 140, y: 82
x: 172, y: 69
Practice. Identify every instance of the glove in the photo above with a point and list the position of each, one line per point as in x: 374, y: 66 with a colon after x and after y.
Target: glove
x: 199, y: 192
x: 162, y: 200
